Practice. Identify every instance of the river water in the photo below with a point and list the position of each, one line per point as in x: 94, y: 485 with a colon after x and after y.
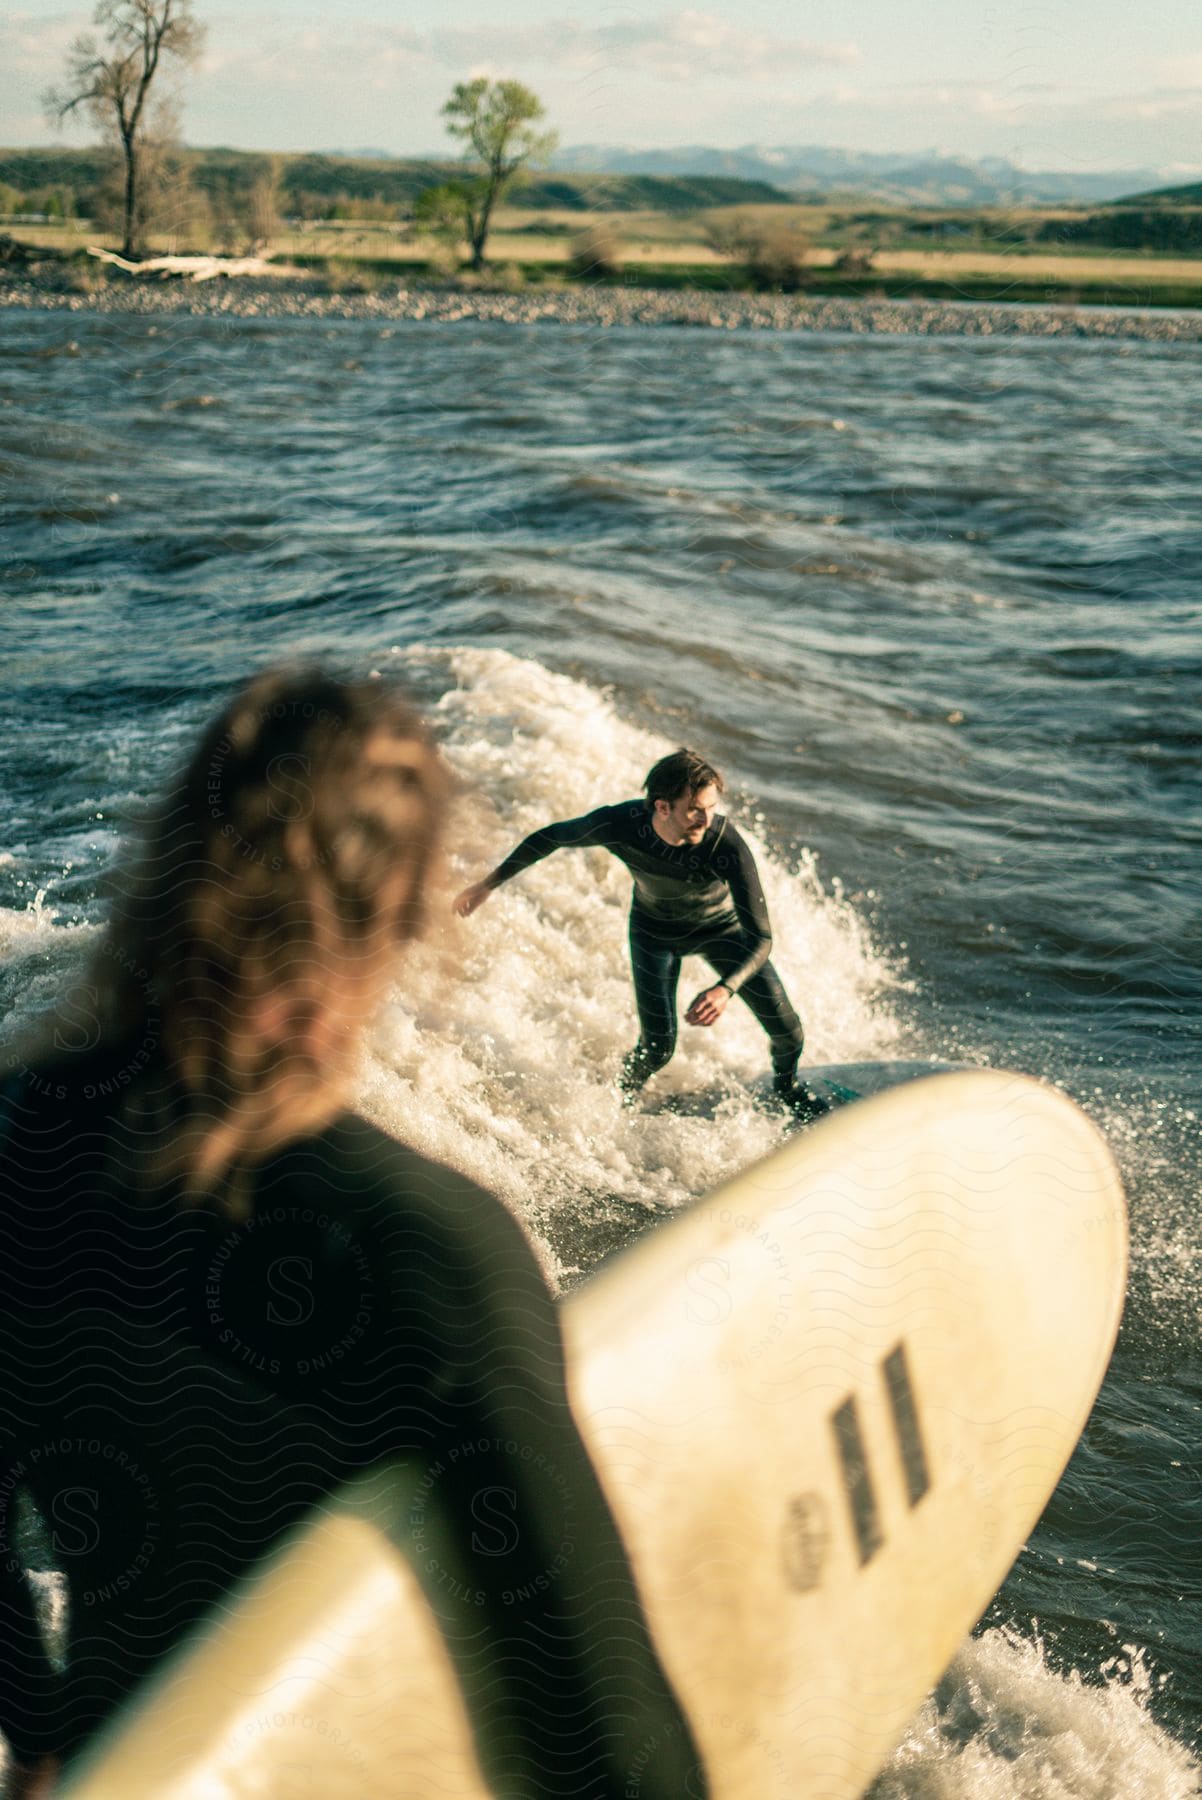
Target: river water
x: 929, y: 602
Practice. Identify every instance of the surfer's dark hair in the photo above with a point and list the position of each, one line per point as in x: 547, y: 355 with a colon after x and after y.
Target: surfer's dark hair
x: 257, y: 918
x: 684, y: 772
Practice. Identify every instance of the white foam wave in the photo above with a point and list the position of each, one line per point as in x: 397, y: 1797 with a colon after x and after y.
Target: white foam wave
x: 38, y: 955
x: 1003, y: 1725
x: 500, y: 1051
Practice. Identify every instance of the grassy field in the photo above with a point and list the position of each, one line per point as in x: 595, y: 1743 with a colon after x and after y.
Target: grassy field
x: 673, y: 251
x: 827, y: 228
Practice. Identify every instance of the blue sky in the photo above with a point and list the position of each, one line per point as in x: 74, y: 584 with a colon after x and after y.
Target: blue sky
x: 1059, y: 84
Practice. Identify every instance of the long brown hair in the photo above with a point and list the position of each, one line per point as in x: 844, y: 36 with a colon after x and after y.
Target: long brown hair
x: 261, y: 912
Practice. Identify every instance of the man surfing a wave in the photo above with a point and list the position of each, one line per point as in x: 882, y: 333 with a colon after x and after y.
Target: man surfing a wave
x: 697, y: 892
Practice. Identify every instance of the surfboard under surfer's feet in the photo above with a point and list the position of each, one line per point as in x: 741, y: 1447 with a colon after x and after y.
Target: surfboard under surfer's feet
x: 793, y: 1096
x: 794, y: 1106
x: 801, y: 1104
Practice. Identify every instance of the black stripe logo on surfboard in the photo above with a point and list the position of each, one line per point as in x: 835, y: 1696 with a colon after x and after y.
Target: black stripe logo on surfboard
x: 853, y: 1453
x: 857, y: 1479
x: 902, y: 1405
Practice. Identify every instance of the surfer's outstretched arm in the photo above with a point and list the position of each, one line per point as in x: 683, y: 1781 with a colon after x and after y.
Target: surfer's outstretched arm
x: 591, y: 831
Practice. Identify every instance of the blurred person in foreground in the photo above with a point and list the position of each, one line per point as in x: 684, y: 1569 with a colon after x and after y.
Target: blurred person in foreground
x: 696, y: 892
x: 223, y: 1293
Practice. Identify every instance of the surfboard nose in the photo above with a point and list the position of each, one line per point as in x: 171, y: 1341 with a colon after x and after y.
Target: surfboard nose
x: 831, y: 1400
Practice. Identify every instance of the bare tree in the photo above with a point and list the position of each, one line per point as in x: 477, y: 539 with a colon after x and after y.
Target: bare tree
x: 109, y: 80
x: 497, y: 121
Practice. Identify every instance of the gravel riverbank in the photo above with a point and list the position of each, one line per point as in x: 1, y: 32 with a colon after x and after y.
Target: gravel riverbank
x: 602, y: 307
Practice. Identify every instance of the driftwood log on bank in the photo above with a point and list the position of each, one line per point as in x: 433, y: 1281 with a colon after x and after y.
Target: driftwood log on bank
x: 194, y: 268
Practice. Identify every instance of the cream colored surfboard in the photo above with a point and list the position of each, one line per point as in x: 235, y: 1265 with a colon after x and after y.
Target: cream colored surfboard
x: 828, y: 1404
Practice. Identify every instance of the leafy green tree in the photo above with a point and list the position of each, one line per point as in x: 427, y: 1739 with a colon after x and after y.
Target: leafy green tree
x: 498, y: 124
x: 109, y: 80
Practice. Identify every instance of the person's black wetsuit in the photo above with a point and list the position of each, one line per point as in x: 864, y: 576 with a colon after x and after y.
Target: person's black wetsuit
x: 701, y: 899
x: 178, y: 1389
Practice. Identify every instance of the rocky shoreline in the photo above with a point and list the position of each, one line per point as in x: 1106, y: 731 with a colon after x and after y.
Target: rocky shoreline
x: 598, y: 308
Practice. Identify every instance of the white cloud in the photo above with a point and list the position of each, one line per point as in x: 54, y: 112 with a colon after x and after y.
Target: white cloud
x: 688, y: 45
x: 29, y: 35
x: 33, y: 57
x: 32, y: 49
x: 1161, y: 103
x: 1044, y: 101
x: 280, y: 55
x: 1182, y: 71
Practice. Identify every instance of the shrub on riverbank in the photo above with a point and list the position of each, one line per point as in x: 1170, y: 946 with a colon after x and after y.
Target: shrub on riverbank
x: 596, y: 256
x: 771, y: 252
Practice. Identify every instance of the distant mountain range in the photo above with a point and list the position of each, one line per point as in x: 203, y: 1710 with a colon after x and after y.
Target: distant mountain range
x: 931, y: 179
x: 928, y: 179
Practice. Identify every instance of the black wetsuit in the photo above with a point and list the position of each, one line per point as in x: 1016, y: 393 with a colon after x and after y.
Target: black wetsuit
x: 177, y: 1390
x: 701, y: 899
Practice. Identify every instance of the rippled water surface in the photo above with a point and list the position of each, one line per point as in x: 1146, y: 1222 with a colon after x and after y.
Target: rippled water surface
x: 931, y: 603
